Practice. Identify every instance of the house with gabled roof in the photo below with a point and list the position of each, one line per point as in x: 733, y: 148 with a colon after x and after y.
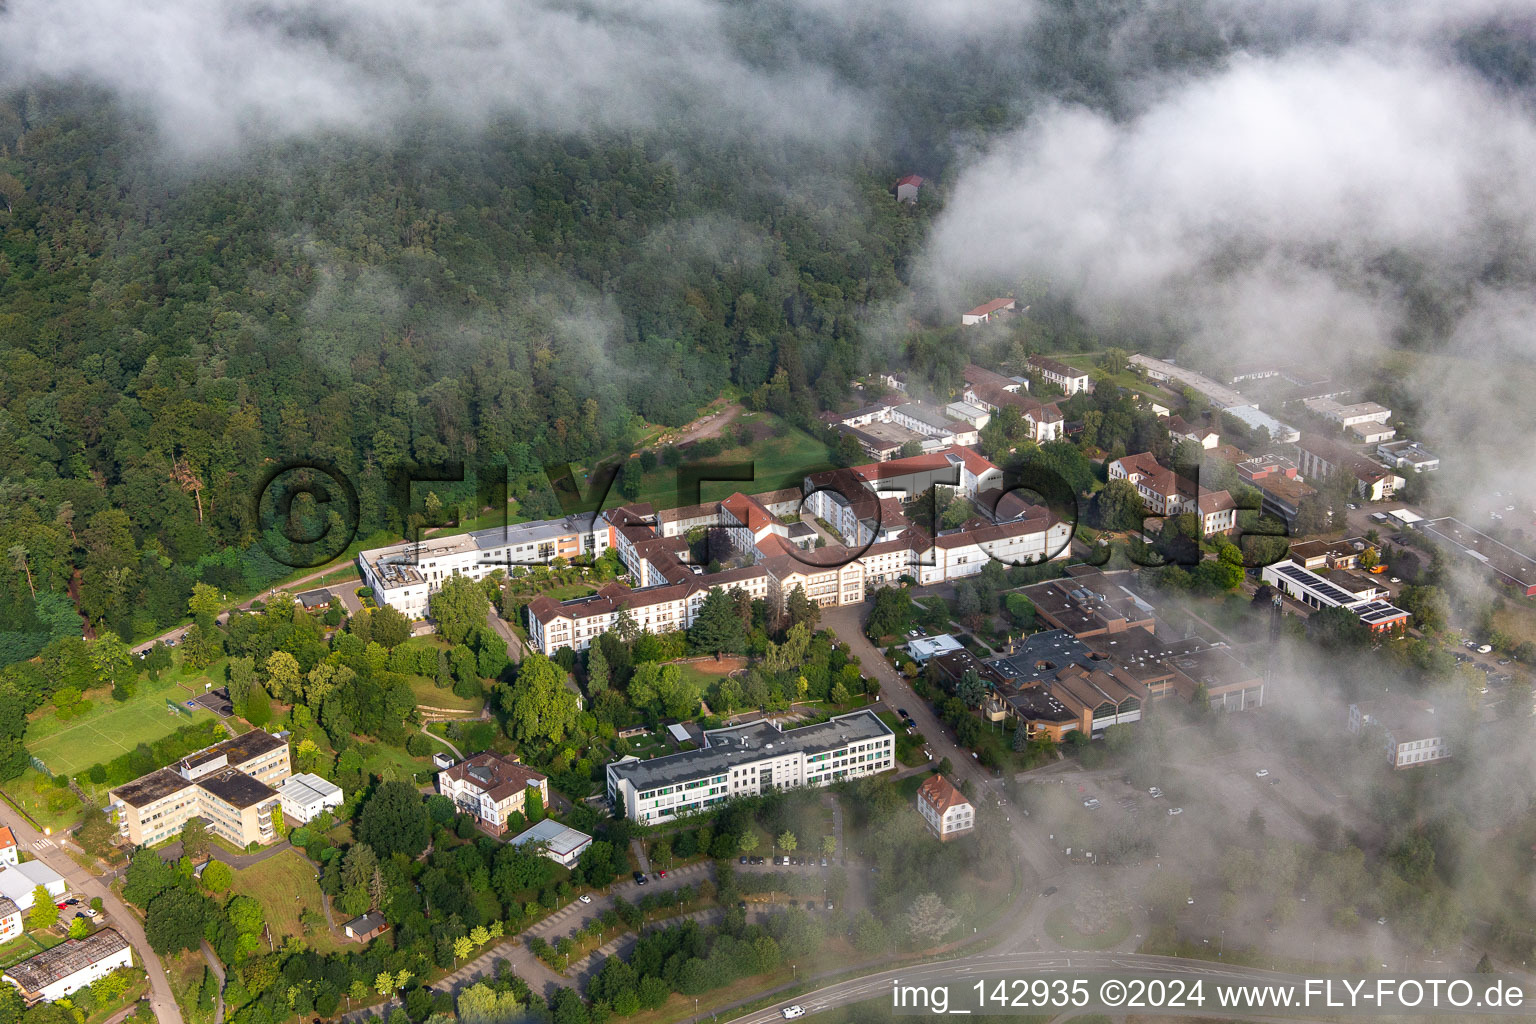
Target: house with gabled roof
x: 946, y: 810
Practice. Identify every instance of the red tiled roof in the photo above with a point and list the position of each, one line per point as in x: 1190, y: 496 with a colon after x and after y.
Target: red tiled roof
x: 989, y: 307
x: 941, y: 794
x: 748, y: 512
x: 7, y: 837
x: 910, y: 179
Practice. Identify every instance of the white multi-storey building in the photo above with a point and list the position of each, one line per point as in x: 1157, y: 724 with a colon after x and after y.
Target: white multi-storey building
x: 747, y: 760
x: 945, y: 809
x: 1411, y: 734
x: 492, y: 787
x: 404, y: 576
x: 1068, y: 378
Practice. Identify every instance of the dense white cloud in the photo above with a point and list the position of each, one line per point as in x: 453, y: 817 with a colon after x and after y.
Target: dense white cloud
x: 214, y: 73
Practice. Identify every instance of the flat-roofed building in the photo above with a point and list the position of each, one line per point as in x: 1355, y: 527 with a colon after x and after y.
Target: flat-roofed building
x: 405, y: 575
x: 1090, y: 605
x: 305, y: 797
x: 1348, y: 415
x: 1283, y: 497
x: 1410, y: 456
x: 1314, y: 591
x: 229, y: 785
x: 560, y: 843
x: 492, y: 787
x: 945, y: 809
x: 747, y: 760
x: 1510, y: 567
x: 1227, y: 683
x: 70, y: 966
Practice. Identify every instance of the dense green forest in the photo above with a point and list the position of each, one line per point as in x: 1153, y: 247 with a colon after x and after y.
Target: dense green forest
x: 510, y: 298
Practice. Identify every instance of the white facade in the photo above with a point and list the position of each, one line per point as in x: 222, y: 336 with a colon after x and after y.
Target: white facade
x: 8, y: 848
x: 10, y: 919
x: 1068, y: 378
x: 55, y: 973
x: 945, y: 810
x: 306, y: 796
x: 17, y: 882
x: 1410, y: 734
x: 749, y: 760
x: 404, y: 576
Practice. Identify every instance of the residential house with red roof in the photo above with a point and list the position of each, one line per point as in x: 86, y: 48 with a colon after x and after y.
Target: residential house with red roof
x: 946, y: 810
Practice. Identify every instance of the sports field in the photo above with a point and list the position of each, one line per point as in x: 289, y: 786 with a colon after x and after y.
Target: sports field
x: 111, y: 728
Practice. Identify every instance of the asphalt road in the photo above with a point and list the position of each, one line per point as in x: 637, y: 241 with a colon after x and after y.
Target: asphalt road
x: 895, y: 692
x: 45, y: 849
x: 960, y: 974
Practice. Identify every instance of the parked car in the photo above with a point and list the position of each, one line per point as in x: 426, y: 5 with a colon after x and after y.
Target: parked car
x: 1172, y: 811
x: 662, y: 873
x: 584, y: 898
x: 823, y: 862
x: 829, y: 904
x: 1092, y: 803
x: 640, y: 878
x: 1155, y: 792
x: 1049, y: 890
x: 1262, y: 773
x: 903, y: 712
x: 1485, y: 649
x: 743, y: 859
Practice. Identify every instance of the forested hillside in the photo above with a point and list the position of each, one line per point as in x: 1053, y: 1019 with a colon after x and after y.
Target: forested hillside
x: 513, y: 297
x: 488, y: 291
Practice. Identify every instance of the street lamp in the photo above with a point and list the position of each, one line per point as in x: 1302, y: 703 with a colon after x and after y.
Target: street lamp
x: 795, y: 968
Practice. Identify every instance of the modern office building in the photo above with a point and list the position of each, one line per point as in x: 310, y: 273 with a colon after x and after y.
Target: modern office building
x: 228, y: 785
x: 746, y: 760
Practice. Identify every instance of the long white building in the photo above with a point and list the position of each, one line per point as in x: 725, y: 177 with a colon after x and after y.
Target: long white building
x: 406, y: 575
x: 747, y: 760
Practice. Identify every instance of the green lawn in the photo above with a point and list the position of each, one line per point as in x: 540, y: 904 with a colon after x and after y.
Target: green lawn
x: 24, y: 946
x: 113, y: 727
x: 285, y: 886
x: 1061, y: 924
x: 429, y: 694
x: 778, y: 462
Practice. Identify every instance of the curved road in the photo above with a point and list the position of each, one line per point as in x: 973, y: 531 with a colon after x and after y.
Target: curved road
x: 161, y: 999
x: 964, y: 972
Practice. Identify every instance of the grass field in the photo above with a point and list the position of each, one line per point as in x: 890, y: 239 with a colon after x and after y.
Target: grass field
x: 24, y: 946
x: 1061, y: 924
x: 430, y: 695
x: 778, y: 462
x: 112, y: 727
x: 285, y: 886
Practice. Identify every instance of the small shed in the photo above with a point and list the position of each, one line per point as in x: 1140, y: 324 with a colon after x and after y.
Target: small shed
x: 368, y: 926
x: 315, y: 600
